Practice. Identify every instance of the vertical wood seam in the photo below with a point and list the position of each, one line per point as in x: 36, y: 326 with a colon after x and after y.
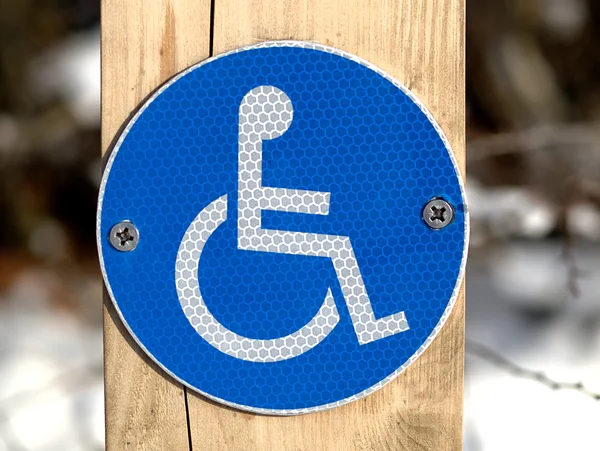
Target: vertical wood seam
x: 187, y: 417
x: 142, y: 46
x: 211, y: 39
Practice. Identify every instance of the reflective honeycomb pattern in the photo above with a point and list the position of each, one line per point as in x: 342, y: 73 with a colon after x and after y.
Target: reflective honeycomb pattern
x: 306, y: 227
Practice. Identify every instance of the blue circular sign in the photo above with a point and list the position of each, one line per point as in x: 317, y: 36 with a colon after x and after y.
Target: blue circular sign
x: 286, y: 255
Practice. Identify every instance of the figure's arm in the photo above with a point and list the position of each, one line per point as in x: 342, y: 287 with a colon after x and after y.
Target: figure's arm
x: 294, y: 201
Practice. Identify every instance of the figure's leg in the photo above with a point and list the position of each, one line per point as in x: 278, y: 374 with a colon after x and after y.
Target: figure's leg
x: 366, y: 326
x: 339, y: 250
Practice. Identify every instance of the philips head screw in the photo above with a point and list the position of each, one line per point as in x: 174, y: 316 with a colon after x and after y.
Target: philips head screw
x: 438, y: 213
x: 124, y: 236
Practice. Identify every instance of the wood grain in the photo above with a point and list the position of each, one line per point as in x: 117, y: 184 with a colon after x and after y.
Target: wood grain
x: 419, y: 42
x: 422, y: 44
x: 143, y: 44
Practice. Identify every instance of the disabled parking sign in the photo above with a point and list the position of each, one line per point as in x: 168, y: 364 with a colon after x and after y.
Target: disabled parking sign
x: 283, y: 228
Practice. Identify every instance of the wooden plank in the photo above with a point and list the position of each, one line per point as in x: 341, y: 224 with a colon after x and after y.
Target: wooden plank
x: 422, y: 44
x: 143, y: 44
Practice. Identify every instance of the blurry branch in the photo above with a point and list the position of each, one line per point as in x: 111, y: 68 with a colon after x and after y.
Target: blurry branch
x: 489, y: 355
x: 560, y: 162
x: 574, y: 273
x: 581, y: 135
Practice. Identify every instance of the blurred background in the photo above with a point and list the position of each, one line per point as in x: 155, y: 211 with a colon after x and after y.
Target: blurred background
x: 533, y: 316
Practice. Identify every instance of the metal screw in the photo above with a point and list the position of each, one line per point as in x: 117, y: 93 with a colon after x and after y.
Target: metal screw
x: 124, y: 236
x: 438, y: 213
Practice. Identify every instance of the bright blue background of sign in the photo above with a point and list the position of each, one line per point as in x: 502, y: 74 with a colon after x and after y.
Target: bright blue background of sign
x: 355, y: 135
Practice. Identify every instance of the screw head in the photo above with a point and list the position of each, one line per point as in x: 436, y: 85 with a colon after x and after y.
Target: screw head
x: 438, y: 213
x: 124, y: 236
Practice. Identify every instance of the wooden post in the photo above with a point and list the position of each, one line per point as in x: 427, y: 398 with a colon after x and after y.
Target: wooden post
x: 421, y: 43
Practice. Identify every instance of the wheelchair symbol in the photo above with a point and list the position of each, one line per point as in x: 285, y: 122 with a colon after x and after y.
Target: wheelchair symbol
x: 266, y: 113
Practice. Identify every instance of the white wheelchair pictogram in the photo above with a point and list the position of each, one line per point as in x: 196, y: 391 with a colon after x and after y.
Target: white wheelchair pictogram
x: 266, y: 113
